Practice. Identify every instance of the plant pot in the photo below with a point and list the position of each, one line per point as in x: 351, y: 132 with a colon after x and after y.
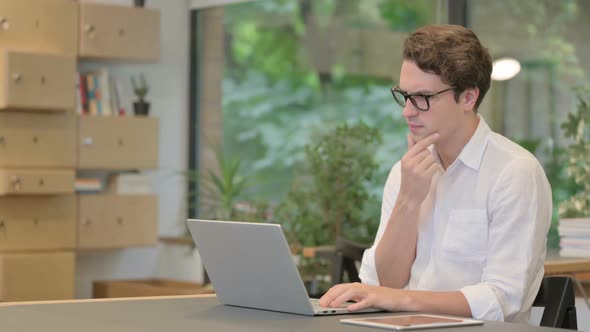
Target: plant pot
x: 141, y: 108
x: 139, y: 3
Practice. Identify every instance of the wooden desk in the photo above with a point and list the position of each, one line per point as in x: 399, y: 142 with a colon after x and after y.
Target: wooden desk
x: 185, y: 313
x: 555, y: 264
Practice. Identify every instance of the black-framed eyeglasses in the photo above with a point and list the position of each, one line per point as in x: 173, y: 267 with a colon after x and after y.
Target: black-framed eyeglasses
x: 420, y: 100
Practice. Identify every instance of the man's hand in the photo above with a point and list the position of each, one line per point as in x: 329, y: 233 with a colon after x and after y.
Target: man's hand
x: 393, y: 299
x: 418, y: 168
x: 365, y: 296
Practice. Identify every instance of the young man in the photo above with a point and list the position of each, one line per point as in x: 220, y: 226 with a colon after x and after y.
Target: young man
x: 466, y: 212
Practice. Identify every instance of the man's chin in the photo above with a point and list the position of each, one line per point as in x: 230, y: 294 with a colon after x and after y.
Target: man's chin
x: 418, y: 137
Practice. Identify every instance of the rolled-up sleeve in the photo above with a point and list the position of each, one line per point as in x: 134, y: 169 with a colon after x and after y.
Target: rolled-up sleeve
x: 520, y: 216
x: 368, y: 271
x: 483, y: 302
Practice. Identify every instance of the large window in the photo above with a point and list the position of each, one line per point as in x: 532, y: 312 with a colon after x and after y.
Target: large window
x: 544, y: 37
x: 294, y: 70
x: 297, y: 68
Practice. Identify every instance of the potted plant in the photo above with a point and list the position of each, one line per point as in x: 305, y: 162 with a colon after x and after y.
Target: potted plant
x: 330, y: 198
x: 574, y: 225
x: 224, y: 193
x: 140, y: 88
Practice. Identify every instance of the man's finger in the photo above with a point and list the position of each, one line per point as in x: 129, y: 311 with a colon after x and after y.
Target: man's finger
x: 426, y: 162
x: 428, y: 140
x: 343, y: 297
x: 419, y: 157
x: 424, y: 143
x: 359, y: 305
x: 330, y: 295
x: 432, y: 169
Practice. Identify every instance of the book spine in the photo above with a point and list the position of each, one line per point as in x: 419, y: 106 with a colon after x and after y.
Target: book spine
x: 93, y: 110
x: 97, y: 94
x: 83, y: 91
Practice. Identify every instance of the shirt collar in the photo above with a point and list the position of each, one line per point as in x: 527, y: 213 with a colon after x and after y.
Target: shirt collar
x: 472, y: 153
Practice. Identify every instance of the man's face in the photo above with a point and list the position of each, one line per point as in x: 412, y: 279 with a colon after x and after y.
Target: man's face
x: 444, y: 115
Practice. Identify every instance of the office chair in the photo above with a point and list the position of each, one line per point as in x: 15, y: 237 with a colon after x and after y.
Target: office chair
x: 347, y: 254
x: 557, y: 296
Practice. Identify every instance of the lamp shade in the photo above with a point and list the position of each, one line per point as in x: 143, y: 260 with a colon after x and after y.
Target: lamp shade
x: 505, y: 69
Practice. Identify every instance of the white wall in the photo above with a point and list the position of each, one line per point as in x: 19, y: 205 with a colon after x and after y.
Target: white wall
x: 169, y: 96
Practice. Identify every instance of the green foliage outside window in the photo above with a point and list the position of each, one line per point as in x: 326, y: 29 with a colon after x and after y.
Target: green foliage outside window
x: 407, y: 15
x: 577, y: 127
x: 330, y: 197
x: 276, y: 102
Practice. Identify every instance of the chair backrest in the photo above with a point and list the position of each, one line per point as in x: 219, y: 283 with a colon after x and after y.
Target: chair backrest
x: 347, y: 255
x: 557, y: 296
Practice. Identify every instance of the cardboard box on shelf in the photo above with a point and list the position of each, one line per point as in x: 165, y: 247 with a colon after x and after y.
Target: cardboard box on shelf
x: 130, y: 184
x: 146, y: 287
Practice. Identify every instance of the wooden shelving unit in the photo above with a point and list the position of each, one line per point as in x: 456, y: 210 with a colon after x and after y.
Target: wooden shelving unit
x: 43, y: 142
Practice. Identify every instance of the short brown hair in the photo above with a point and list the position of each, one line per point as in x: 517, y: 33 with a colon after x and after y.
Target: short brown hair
x: 455, y: 54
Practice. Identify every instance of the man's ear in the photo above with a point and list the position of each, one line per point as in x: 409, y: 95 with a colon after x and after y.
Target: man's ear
x: 469, y: 98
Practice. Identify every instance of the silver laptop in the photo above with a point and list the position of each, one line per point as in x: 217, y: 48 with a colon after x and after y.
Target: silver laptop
x: 250, y: 265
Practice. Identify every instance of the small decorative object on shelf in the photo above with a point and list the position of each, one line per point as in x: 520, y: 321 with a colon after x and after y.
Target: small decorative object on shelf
x: 140, y: 88
x: 139, y: 3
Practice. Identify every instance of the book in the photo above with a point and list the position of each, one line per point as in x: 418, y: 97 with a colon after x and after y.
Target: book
x: 573, y: 231
x: 97, y: 93
x: 116, y: 102
x: 572, y: 252
x: 575, y: 223
x: 105, y: 91
x: 88, y: 185
x: 79, y: 108
x: 92, y: 106
x: 83, y: 92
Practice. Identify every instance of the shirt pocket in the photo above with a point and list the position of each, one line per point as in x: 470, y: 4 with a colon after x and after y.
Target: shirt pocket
x: 466, y: 235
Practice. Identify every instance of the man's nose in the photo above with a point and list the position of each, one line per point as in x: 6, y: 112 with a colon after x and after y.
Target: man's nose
x: 410, y: 110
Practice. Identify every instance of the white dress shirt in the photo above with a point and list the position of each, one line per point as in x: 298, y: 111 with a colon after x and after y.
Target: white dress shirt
x: 482, y: 228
